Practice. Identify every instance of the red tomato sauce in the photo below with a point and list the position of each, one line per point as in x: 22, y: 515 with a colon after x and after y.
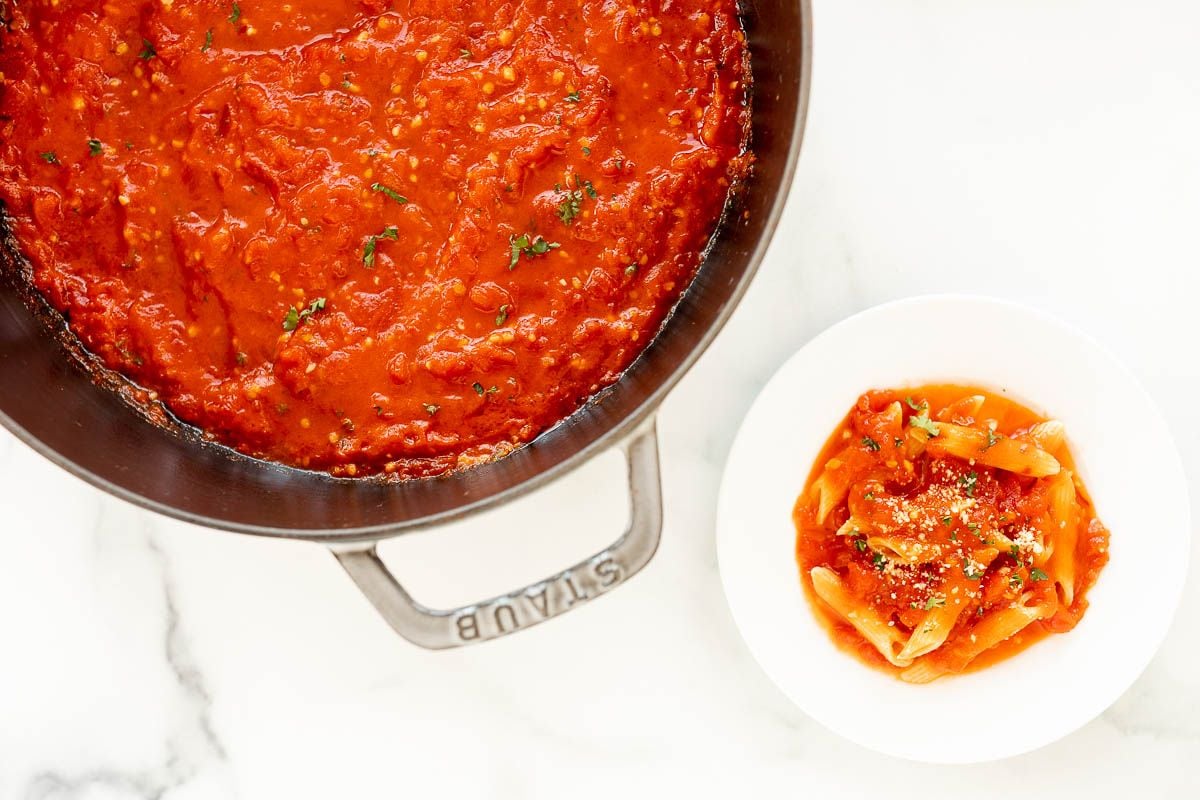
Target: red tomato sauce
x: 366, y: 236
x: 959, y: 506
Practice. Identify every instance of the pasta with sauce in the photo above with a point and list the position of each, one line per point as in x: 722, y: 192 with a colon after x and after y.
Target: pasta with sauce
x: 945, y: 528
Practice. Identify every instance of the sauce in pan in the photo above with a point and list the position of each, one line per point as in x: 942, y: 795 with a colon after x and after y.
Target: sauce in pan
x: 365, y: 236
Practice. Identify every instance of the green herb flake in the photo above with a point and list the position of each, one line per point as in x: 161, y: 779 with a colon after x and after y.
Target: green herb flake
x: 934, y: 602
x: 95, y: 147
x: 573, y: 97
x: 587, y: 151
x: 293, y: 318
x: 947, y: 520
x: 502, y: 315
x: 992, y: 439
x: 923, y: 422
x: 878, y: 561
x: 390, y: 192
x: 372, y: 244
x: 969, y: 482
x: 50, y: 157
x: 870, y: 444
x: 869, y: 496
x: 1036, y: 574
x: 431, y: 408
x: 913, y: 404
x: 570, y: 207
x: 208, y: 40
x: 464, y: 54
x: 235, y: 14
x: 529, y: 246
x: 148, y: 51
x: 1015, y: 580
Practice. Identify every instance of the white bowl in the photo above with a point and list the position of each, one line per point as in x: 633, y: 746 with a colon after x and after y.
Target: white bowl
x: 1125, y: 456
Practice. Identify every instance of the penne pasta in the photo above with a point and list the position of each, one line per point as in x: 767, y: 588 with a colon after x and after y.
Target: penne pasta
x: 963, y: 411
x: 887, y: 640
x: 995, y: 627
x: 1065, y: 528
x: 928, y: 536
x: 830, y: 489
x: 1049, y: 435
x: 1021, y: 456
x: 931, y: 631
x: 906, y: 550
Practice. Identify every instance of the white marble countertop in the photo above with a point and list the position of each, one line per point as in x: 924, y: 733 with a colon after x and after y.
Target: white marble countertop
x: 1047, y: 152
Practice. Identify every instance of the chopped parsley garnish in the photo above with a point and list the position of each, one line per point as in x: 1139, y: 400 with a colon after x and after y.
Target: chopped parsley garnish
x: 969, y: 482
x: 878, y: 561
x: 1015, y: 580
x: 148, y: 51
x: 95, y: 147
x: 922, y: 421
x: 390, y: 192
x: 869, y: 496
x: 431, y: 408
x: 992, y: 439
x: 573, y: 97
x: 870, y: 444
x: 208, y: 37
x: 478, y: 387
x: 294, y: 317
x: 368, y: 256
x: 972, y: 575
x: 529, y: 246
x: 502, y: 315
x: 235, y: 14
x: 572, y: 202
x: 934, y: 602
x: 587, y: 151
x: 1015, y: 552
x: 947, y: 520
x: 50, y: 157
x: 1036, y: 574
x: 912, y: 403
x: 953, y: 536
x: 860, y: 545
x: 569, y: 208
x: 240, y: 358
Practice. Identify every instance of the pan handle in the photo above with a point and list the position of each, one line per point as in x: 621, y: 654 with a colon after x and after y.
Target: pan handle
x: 525, y: 607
